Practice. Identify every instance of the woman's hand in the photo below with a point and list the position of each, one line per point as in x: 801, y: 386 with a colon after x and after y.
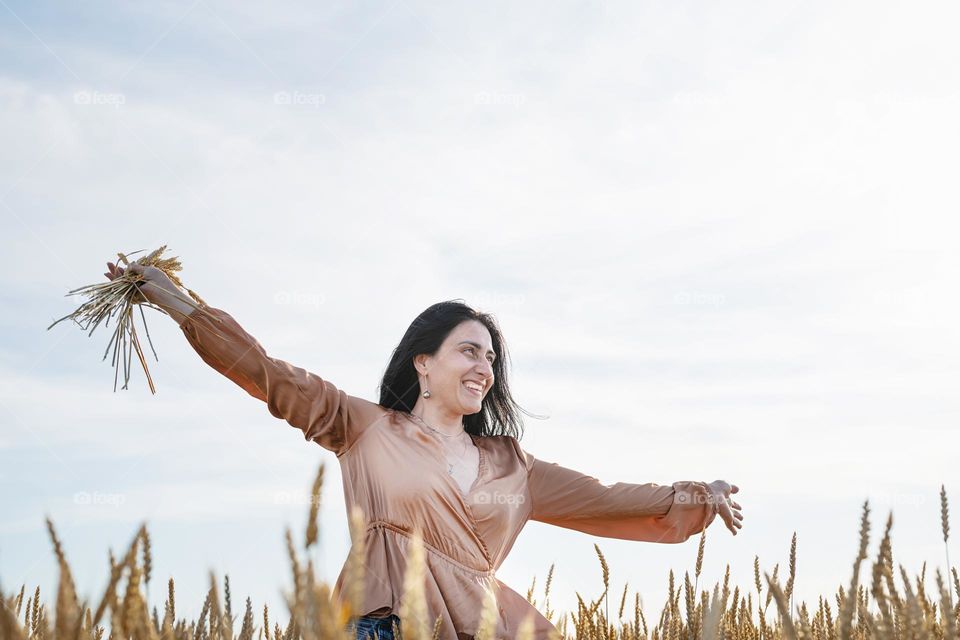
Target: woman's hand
x: 156, y: 286
x: 726, y: 507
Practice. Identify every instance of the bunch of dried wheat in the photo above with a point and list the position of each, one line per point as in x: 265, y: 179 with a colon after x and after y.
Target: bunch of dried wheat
x: 118, y: 297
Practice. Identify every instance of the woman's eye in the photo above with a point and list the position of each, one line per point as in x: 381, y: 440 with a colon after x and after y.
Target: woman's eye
x: 472, y: 350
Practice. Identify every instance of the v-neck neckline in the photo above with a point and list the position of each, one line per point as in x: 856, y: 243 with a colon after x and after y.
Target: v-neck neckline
x: 481, y: 466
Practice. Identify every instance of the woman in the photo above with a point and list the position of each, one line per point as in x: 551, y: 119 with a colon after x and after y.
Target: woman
x: 440, y: 454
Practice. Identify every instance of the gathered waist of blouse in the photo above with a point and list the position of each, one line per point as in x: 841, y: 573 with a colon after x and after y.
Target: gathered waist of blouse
x: 389, y: 526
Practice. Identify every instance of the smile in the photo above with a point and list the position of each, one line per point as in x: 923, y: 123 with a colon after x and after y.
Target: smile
x: 472, y: 388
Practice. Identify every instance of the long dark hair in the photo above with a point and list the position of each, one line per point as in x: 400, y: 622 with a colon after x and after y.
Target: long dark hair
x: 400, y: 386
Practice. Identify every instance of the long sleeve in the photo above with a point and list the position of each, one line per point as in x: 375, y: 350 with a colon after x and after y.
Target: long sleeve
x: 643, y: 512
x: 325, y: 414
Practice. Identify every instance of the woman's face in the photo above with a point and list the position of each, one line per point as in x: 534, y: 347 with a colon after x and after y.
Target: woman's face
x: 463, y: 363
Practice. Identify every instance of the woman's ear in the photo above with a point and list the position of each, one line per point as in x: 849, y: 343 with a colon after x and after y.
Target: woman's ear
x: 420, y: 363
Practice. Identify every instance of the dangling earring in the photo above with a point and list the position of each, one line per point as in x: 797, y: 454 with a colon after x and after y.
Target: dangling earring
x: 426, y: 392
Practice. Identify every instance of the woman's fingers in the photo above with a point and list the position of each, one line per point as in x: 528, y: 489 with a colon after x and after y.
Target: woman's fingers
x: 725, y: 515
x: 733, y: 525
x: 728, y: 510
x: 115, y: 270
x: 731, y: 517
x: 733, y: 509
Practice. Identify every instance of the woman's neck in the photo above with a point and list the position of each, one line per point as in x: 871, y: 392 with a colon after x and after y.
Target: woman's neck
x: 446, y: 422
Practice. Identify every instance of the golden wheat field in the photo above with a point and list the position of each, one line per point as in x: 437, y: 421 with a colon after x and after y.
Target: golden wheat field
x: 876, y: 607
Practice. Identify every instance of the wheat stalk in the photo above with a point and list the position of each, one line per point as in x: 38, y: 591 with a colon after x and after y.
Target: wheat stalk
x: 313, y: 530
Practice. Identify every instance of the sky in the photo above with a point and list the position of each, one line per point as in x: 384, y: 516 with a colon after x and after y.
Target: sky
x: 720, y: 240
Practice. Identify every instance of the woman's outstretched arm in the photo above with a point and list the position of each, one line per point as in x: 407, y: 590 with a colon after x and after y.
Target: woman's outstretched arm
x: 647, y: 512
x: 324, y: 414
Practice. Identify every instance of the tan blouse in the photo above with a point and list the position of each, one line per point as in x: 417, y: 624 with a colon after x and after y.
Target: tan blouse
x: 397, y: 473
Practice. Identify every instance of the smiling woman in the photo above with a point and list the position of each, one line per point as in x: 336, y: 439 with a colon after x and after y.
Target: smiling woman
x: 447, y: 349
x: 439, y: 455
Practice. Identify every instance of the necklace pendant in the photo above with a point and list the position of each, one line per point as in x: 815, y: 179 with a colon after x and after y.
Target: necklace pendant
x: 449, y: 468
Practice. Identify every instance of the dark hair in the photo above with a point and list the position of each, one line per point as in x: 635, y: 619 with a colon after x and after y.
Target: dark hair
x: 400, y: 386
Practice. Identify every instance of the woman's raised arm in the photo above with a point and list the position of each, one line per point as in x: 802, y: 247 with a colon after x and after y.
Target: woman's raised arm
x: 325, y: 414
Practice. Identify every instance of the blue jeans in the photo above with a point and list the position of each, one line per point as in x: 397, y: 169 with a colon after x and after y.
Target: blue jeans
x: 370, y: 628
